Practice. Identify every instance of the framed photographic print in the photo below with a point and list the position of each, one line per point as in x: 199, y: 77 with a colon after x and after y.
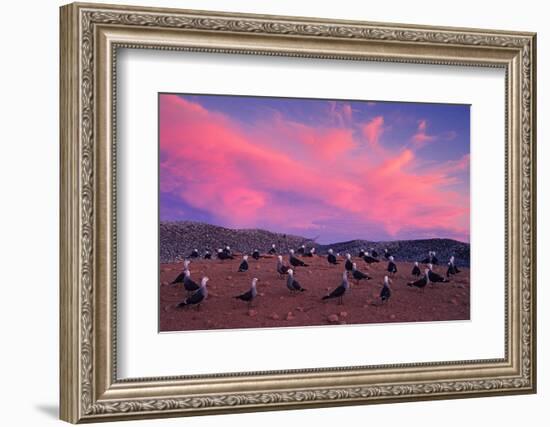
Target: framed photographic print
x: 265, y: 212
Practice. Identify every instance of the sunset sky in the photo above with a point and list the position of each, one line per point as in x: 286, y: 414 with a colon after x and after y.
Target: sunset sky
x: 335, y: 170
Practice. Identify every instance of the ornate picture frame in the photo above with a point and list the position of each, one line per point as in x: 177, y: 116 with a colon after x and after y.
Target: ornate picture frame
x: 90, y: 37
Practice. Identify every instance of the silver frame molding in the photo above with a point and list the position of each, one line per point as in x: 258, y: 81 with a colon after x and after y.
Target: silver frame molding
x: 90, y: 37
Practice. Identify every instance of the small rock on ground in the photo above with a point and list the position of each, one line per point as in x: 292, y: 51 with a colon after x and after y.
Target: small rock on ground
x: 333, y: 318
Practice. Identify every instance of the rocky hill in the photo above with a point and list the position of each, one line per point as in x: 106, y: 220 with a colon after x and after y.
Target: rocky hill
x: 178, y: 239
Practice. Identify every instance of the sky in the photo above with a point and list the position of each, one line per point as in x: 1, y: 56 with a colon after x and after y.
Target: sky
x: 334, y: 170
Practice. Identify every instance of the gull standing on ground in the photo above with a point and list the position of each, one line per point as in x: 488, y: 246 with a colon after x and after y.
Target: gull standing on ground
x: 295, y: 262
x: 349, y: 264
x: 310, y: 253
x: 244, y: 264
x: 385, y: 293
x: 331, y: 258
x: 358, y: 275
x: 181, y: 276
x: 198, y: 297
x: 421, y: 283
x: 416, y: 270
x: 369, y: 259
x: 452, y: 267
x: 434, y: 277
x: 340, y: 290
x: 392, y: 267
x: 223, y: 255
x: 292, y: 284
x: 188, y: 283
x: 249, y: 295
x: 282, y: 269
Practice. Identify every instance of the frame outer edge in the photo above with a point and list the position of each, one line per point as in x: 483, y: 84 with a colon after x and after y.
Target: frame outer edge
x: 77, y: 296
x: 534, y: 270
x: 304, y: 19
x: 69, y: 391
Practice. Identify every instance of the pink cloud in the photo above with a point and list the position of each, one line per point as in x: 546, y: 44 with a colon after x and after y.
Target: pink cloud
x: 327, y: 143
x: 454, y: 166
x: 422, y: 125
x: 396, y: 164
x: 373, y: 130
x: 421, y: 137
x: 282, y: 175
x: 449, y: 135
x: 340, y: 113
x: 324, y: 143
x: 347, y: 111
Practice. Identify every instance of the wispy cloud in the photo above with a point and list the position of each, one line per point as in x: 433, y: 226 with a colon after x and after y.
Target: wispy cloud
x: 422, y: 137
x: 340, y: 112
x: 373, y: 130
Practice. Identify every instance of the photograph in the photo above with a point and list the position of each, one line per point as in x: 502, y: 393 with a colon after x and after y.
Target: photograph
x: 295, y: 212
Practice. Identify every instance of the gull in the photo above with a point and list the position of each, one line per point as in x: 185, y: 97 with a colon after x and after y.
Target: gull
x: 249, y: 295
x: 197, y: 298
x: 282, y: 269
x: 294, y: 261
x: 358, y: 275
x: 340, y: 290
x: 331, y: 258
x: 244, y: 264
x: 292, y: 284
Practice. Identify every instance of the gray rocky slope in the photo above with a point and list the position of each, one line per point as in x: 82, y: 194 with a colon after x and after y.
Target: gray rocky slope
x: 178, y: 239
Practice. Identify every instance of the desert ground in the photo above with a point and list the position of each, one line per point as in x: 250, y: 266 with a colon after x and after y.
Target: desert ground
x: 275, y: 306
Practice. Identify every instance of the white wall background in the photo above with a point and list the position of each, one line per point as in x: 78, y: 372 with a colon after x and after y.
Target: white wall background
x: 29, y: 170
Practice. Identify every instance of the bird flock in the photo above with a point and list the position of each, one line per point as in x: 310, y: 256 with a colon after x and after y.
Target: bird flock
x: 197, y: 293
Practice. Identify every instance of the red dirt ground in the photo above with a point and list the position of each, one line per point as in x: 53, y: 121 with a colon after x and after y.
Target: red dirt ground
x: 276, y: 307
